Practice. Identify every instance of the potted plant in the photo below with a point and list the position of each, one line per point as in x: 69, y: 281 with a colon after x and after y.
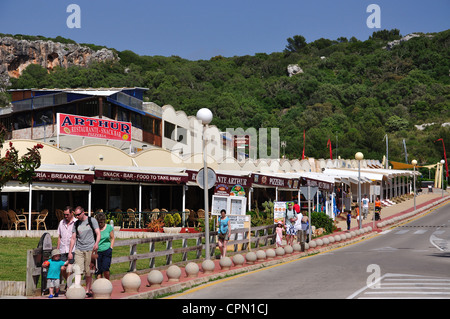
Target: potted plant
x: 169, y: 222
x: 156, y: 225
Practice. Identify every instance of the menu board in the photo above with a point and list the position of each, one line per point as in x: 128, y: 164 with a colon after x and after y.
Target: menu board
x: 279, y: 212
x: 234, y: 205
x: 219, y: 203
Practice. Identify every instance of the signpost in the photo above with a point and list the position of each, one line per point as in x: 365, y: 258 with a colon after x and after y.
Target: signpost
x: 308, y: 193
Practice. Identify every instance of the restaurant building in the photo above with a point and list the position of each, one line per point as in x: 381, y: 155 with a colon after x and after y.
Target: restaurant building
x: 108, y: 149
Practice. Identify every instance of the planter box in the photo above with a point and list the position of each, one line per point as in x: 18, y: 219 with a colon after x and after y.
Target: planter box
x: 172, y: 230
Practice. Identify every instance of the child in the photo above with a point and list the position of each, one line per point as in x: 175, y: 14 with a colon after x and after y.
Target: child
x: 349, y: 219
x: 54, y: 272
x: 279, y: 231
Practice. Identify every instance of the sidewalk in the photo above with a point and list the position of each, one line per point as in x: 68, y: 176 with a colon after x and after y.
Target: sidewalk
x: 167, y: 287
x: 398, y: 209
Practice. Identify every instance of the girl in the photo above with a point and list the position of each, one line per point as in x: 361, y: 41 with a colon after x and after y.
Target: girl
x: 279, y: 231
x: 224, y: 232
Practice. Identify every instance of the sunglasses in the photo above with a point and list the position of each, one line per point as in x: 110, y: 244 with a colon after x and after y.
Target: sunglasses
x: 76, y: 215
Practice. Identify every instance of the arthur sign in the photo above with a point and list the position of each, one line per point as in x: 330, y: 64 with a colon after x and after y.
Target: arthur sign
x: 69, y: 124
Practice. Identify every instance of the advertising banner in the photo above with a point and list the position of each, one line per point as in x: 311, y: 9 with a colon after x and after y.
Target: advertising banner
x: 69, y: 124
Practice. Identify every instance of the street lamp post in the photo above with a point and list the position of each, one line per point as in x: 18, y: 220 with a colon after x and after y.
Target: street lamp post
x: 414, y: 163
x: 442, y: 169
x: 205, y: 116
x: 359, y: 157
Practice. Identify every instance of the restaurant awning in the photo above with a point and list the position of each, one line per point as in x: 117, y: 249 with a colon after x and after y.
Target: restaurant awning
x: 160, y: 175
x: 280, y: 180
x: 229, y: 178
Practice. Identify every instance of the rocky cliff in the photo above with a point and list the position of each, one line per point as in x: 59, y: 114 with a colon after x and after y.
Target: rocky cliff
x: 16, y: 55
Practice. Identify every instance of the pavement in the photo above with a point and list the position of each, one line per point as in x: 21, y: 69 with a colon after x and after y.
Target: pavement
x: 185, y: 282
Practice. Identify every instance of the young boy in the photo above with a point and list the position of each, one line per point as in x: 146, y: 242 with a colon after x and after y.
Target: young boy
x: 54, y: 272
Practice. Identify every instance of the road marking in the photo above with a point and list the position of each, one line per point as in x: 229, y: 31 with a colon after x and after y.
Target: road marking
x: 420, y: 231
x: 392, y: 286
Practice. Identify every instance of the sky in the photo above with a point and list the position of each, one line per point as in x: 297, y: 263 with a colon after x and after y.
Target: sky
x: 201, y: 29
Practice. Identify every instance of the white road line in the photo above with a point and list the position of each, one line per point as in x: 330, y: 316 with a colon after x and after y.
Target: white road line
x: 391, y: 285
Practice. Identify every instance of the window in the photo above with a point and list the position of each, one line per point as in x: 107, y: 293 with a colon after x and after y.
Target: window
x: 182, y: 135
x: 22, y: 120
x: 157, y: 127
x: 88, y: 108
x: 169, y: 130
x: 122, y: 115
x: 136, y: 120
x: 66, y: 109
x: 109, y: 110
x: 43, y: 117
x: 147, y: 124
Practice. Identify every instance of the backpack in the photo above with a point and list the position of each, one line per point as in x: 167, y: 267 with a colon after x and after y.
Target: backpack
x: 90, y: 224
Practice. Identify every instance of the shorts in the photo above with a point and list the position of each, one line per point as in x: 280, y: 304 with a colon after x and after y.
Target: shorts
x: 290, y: 230
x: 83, y: 260
x: 65, y: 256
x: 52, y: 283
x: 226, y: 238
x: 104, y: 261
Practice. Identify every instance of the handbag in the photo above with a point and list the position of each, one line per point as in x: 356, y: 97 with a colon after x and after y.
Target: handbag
x: 221, y: 236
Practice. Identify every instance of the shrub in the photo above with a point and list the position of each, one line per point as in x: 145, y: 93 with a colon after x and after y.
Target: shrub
x: 156, y: 225
x: 176, y: 219
x: 168, y: 220
x: 321, y: 220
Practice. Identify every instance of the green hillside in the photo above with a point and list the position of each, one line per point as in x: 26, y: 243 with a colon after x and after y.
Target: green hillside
x: 351, y: 92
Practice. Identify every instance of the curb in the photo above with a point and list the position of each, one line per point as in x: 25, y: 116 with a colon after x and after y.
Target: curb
x: 316, y: 246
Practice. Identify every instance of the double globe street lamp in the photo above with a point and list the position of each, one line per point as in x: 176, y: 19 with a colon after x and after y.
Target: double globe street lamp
x: 205, y: 116
x: 359, y: 157
x: 414, y: 163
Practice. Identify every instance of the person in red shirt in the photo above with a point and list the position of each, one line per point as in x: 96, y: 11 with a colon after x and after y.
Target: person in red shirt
x: 296, y: 207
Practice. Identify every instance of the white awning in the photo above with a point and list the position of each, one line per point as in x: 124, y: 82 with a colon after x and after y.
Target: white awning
x: 59, y: 187
x: 15, y: 187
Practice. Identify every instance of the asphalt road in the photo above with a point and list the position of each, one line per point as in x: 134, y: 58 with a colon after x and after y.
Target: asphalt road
x: 400, y: 262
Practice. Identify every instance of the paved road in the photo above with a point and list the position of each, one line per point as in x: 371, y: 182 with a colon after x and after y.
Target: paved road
x: 399, y: 263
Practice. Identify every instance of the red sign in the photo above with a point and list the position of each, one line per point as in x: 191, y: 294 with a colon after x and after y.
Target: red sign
x: 69, y: 124
x: 228, y: 180
x: 59, y: 176
x: 140, y: 177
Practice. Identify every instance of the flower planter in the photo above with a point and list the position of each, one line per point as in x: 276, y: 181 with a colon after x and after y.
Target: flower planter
x: 172, y: 230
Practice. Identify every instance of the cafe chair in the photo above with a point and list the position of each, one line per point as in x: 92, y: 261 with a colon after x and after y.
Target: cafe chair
x: 201, y: 213
x: 41, y: 219
x: 132, y: 218
x: 154, y: 215
x: 5, y: 221
x: 192, y: 219
x: 59, y: 214
x: 17, y: 220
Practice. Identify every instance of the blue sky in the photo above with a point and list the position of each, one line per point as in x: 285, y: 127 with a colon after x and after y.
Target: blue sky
x: 201, y: 29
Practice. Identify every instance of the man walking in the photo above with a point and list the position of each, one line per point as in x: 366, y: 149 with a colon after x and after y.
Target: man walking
x: 291, y: 218
x: 365, y: 206
x: 86, y: 236
x: 65, y: 228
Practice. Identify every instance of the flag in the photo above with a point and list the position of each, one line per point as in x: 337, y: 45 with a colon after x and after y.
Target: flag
x: 445, y: 155
x: 331, y: 152
x: 303, y: 154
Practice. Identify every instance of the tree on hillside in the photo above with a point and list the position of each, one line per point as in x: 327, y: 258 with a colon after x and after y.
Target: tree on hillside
x: 295, y: 44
